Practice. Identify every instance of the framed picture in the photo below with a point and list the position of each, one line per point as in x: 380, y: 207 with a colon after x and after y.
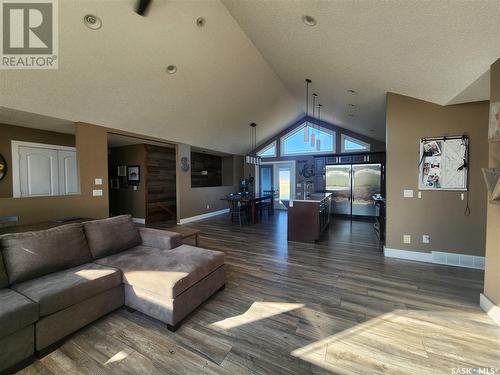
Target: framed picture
x: 134, y: 174
x: 3, y: 167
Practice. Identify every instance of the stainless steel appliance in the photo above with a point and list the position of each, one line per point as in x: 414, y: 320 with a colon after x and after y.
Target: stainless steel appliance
x: 352, y: 187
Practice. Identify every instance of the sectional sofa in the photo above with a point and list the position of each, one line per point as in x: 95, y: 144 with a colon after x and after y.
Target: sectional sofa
x: 55, y: 281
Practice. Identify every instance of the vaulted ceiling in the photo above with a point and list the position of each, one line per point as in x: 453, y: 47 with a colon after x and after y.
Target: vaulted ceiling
x: 249, y: 61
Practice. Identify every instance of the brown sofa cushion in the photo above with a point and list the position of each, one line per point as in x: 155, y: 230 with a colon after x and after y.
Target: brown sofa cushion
x: 16, y: 312
x: 111, y: 236
x: 33, y: 254
x: 167, y: 273
x: 60, y: 290
x: 4, y: 280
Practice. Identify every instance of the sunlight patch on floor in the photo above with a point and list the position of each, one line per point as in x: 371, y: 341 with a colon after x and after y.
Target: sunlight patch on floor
x: 404, y: 342
x: 120, y: 356
x: 256, y: 312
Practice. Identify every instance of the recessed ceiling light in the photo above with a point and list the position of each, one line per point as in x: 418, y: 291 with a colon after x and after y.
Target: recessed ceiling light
x: 309, y: 20
x: 92, y: 22
x: 171, y: 69
x: 351, y: 91
x: 200, y: 22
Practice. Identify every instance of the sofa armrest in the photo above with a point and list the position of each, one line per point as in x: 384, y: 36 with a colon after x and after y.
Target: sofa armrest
x: 161, y: 239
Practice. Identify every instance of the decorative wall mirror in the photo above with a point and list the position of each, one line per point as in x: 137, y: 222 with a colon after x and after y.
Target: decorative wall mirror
x: 3, y: 167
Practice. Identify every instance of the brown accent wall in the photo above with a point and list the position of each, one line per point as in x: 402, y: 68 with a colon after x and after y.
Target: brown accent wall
x: 439, y: 213
x: 492, y: 273
x: 194, y: 201
x: 91, y: 145
x: 126, y: 199
x: 10, y: 133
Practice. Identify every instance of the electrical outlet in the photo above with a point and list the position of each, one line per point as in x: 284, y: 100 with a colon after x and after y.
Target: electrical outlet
x: 426, y: 238
x: 406, y: 239
x: 419, y: 195
x: 462, y: 196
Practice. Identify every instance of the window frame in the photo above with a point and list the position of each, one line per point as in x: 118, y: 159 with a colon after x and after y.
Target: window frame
x: 267, y: 147
x: 299, y: 128
x: 344, y: 137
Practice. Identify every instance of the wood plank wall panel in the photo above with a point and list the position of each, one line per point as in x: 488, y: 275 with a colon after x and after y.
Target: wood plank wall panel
x: 160, y: 184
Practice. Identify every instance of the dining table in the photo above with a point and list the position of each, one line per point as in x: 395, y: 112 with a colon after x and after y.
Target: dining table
x: 252, y: 201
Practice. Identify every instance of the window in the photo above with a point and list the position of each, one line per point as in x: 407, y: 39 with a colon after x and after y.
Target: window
x: 294, y: 143
x: 269, y: 151
x: 350, y: 144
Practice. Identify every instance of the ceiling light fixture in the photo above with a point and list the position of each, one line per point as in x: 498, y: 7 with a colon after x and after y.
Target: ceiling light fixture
x: 200, y: 22
x: 92, y: 22
x: 313, y: 133
x: 306, y: 128
x: 171, y: 69
x: 318, y: 141
x: 252, y: 157
x: 309, y: 20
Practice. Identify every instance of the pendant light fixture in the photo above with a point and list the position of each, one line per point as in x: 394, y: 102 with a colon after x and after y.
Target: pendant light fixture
x: 252, y: 157
x: 318, y: 141
x: 306, y: 129
x: 313, y: 133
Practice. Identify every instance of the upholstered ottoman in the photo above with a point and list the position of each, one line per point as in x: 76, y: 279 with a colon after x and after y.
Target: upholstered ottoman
x: 168, y: 284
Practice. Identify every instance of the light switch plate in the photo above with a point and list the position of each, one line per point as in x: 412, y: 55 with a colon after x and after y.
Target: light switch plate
x: 419, y: 195
x: 97, y: 192
x: 426, y: 238
x: 98, y: 181
x: 406, y: 239
x: 408, y: 193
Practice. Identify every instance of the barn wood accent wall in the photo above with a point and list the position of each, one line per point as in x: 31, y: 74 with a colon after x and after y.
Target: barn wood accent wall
x: 160, y: 184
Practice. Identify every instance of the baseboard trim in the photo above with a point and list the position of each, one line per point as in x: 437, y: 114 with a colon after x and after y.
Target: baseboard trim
x: 438, y: 257
x: 490, y: 308
x: 139, y: 220
x: 203, y: 216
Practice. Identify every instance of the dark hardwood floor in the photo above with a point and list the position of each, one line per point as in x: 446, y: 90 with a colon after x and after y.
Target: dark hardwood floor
x: 336, y: 307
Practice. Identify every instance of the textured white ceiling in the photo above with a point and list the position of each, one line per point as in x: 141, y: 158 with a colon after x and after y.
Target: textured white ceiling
x: 252, y: 67
x: 116, y: 76
x: 439, y: 51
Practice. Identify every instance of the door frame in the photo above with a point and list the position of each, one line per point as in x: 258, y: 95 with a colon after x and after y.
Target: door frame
x: 15, y: 167
x: 293, y: 176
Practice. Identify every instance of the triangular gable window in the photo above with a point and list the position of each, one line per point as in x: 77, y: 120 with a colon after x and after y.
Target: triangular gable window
x: 298, y: 141
x: 350, y: 144
x: 269, y: 151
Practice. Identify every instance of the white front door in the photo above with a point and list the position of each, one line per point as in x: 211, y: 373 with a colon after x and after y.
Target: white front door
x: 39, y: 172
x: 284, y: 181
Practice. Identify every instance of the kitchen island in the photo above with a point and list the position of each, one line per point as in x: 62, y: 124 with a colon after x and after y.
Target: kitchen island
x: 309, y: 217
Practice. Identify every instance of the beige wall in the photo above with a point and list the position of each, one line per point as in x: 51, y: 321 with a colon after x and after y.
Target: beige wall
x: 126, y: 200
x: 91, y: 144
x: 193, y: 201
x: 492, y: 271
x: 10, y: 133
x: 439, y: 214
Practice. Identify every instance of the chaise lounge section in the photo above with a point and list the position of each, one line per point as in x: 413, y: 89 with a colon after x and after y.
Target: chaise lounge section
x: 58, y: 280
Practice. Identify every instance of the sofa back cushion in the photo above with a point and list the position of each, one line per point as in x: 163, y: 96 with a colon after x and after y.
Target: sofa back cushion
x: 32, y: 254
x: 111, y: 236
x: 4, y: 281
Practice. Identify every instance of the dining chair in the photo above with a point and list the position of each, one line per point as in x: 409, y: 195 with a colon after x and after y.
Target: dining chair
x: 238, y: 209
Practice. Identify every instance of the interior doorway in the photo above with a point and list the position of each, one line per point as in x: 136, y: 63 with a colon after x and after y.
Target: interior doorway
x: 142, y: 179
